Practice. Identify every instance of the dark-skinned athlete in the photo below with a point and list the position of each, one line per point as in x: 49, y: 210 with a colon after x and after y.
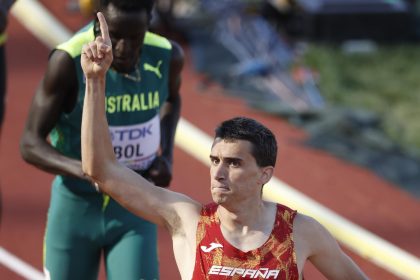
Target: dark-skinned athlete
x: 143, y: 108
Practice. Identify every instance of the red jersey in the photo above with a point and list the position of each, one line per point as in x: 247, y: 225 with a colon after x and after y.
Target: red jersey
x: 216, y: 259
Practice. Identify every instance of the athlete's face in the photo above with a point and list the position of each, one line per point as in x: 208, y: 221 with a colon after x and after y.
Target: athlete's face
x: 235, y: 175
x: 127, y: 30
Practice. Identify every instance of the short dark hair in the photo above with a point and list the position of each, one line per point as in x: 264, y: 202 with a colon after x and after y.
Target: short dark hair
x: 264, y: 144
x: 129, y: 5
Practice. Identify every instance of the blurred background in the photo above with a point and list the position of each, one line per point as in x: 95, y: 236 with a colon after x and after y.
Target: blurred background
x: 341, y: 69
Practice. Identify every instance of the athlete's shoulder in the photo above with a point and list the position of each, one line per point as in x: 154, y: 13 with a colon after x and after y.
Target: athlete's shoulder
x: 177, y: 53
x: 309, y: 223
x: 283, y: 209
x: 307, y: 229
x: 73, y: 46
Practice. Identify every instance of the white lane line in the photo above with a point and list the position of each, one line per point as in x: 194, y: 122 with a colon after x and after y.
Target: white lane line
x: 20, y: 267
x: 40, y: 22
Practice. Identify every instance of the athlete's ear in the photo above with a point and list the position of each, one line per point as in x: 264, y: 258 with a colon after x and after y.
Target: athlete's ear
x: 152, y: 11
x: 150, y: 16
x: 266, y: 174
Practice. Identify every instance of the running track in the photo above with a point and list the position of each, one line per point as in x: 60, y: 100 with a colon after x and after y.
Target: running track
x: 353, y: 192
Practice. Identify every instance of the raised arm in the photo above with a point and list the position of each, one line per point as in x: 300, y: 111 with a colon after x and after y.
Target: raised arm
x: 316, y: 244
x: 157, y: 205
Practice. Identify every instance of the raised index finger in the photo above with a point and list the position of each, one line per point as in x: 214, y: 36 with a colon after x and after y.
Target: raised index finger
x: 104, y: 29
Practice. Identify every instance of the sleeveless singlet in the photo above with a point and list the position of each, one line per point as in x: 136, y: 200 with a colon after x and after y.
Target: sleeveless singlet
x: 216, y: 259
x: 132, y: 107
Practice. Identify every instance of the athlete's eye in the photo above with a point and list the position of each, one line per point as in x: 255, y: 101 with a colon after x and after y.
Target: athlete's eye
x: 214, y: 160
x: 234, y: 163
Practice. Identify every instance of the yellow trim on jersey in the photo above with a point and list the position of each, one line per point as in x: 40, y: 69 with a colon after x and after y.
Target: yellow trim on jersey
x: 105, y: 202
x: 3, y: 38
x: 75, y: 44
x: 157, y: 41
x: 44, y: 248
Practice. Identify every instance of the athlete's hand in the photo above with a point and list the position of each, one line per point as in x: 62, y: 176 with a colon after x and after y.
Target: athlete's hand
x: 97, y: 55
x: 160, y: 172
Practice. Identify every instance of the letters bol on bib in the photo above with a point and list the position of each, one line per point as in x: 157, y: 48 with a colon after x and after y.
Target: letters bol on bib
x: 136, y: 146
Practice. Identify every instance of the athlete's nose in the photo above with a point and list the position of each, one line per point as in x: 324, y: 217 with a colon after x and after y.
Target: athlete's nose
x: 219, y: 171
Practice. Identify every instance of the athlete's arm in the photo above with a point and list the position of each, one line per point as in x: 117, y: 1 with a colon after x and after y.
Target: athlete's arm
x: 323, y: 251
x: 158, y: 205
x: 161, y: 170
x: 57, y: 93
x: 171, y: 110
x: 3, y: 19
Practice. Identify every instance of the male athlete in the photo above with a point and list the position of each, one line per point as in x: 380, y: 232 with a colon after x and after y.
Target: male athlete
x: 142, y: 107
x: 238, y: 235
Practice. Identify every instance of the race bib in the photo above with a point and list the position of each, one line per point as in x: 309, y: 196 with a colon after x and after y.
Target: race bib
x: 136, y: 146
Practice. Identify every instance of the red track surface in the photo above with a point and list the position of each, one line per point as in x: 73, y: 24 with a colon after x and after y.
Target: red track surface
x: 351, y: 191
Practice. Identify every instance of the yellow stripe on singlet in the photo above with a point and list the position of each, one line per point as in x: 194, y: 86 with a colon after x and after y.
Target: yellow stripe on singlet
x: 105, y: 203
x: 3, y: 38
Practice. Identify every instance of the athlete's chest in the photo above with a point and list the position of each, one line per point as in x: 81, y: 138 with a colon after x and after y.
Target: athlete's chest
x: 217, y: 258
x: 144, y: 90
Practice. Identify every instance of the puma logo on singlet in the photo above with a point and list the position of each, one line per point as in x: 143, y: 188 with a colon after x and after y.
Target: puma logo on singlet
x: 211, y: 247
x: 154, y: 69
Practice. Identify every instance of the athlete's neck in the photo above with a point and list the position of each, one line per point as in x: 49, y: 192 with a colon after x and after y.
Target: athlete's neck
x: 245, y: 218
x: 247, y: 230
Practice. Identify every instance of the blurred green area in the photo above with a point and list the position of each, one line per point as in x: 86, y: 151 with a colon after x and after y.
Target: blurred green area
x: 385, y: 81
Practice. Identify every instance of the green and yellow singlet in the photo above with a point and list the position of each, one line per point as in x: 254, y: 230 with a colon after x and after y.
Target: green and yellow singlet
x: 132, y: 106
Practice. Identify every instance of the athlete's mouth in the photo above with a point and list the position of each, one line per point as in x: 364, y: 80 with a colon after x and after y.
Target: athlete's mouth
x: 222, y: 187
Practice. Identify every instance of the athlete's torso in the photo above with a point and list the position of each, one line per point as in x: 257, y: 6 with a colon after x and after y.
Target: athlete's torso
x: 132, y: 106
x: 217, y: 259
